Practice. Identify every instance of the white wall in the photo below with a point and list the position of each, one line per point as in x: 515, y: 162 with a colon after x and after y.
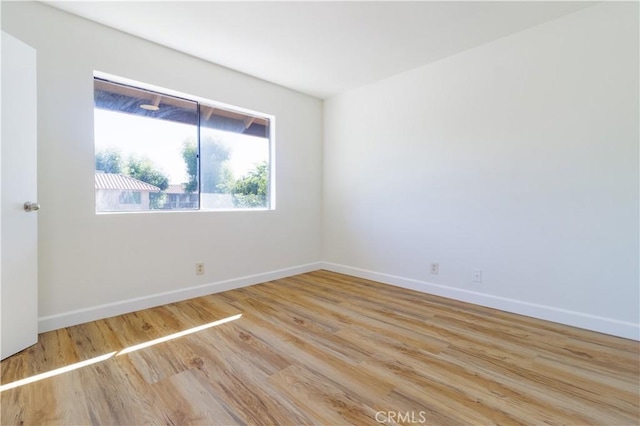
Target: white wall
x: 519, y: 157
x: 88, y: 260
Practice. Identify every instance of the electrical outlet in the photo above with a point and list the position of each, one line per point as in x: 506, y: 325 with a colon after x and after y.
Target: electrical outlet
x: 435, y: 268
x: 476, y: 275
x: 199, y: 268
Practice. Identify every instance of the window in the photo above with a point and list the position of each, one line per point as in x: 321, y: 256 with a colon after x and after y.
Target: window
x: 130, y: 197
x: 155, y: 151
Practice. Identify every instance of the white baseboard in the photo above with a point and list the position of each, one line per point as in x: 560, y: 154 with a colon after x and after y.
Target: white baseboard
x: 93, y: 313
x: 577, y: 319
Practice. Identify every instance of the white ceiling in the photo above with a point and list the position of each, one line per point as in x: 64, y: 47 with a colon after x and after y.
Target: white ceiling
x: 320, y: 48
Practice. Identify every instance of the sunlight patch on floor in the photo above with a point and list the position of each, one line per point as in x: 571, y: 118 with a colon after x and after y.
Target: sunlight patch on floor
x: 124, y: 351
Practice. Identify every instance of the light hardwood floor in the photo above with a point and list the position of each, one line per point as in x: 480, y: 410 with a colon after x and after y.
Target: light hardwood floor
x: 325, y: 348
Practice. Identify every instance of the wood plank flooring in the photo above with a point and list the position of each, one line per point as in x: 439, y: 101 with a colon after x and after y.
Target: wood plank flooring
x: 325, y: 348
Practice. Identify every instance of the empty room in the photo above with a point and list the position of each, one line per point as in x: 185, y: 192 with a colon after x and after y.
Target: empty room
x: 331, y: 213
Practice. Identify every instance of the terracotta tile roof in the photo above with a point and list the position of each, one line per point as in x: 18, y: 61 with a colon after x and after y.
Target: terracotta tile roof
x: 118, y: 181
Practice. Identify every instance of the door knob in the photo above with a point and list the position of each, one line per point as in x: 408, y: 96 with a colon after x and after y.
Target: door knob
x: 31, y: 207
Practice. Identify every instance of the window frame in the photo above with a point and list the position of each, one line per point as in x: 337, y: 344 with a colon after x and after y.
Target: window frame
x: 200, y: 101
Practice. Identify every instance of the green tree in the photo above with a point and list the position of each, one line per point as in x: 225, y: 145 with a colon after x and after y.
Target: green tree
x: 142, y: 168
x: 190, y: 156
x: 214, y: 156
x: 214, y: 168
x: 226, y: 179
x: 251, y: 189
x: 109, y: 160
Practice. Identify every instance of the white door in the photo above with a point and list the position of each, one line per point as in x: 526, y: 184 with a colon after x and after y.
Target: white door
x: 18, y: 228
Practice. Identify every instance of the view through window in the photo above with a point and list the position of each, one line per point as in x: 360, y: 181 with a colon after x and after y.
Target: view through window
x: 159, y: 152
